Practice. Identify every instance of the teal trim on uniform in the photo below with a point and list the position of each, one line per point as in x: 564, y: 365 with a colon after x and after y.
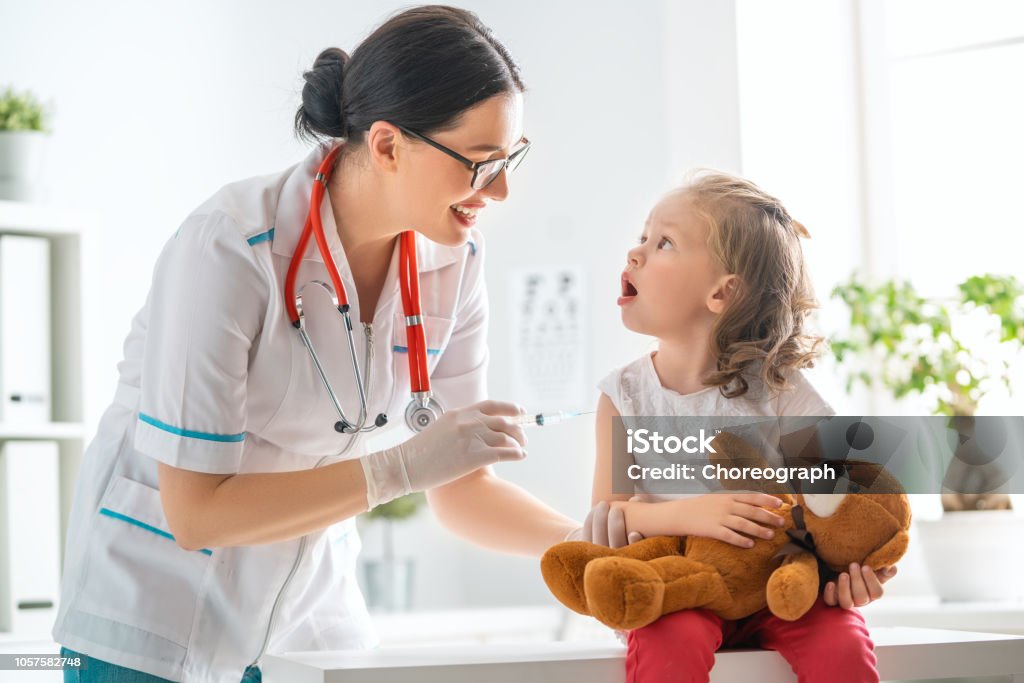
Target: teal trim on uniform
x: 405, y: 349
x: 472, y: 247
x: 189, y: 433
x: 267, y: 236
x: 142, y: 525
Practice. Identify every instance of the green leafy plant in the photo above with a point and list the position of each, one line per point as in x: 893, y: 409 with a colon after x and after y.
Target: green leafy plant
x: 21, y: 112
x: 949, y: 351
x: 913, y: 344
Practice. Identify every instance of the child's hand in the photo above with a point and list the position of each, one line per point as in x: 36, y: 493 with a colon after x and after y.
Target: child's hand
x: 857, y: 588
x: 727, y: 516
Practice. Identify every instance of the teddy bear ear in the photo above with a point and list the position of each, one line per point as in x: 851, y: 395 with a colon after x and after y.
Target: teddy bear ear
x: 731, y: 450
x: 870, y: 477
x: 841, y: 439
x: 735, y: 451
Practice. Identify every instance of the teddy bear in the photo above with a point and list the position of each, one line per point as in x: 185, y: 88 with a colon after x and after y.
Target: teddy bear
x: 631, y: 587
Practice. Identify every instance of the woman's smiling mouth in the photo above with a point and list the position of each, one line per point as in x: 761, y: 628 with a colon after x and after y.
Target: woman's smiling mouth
x: 466, y: 214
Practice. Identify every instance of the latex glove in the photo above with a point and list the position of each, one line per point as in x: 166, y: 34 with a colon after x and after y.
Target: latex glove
x: 605, y: 525
x: 460, y: 442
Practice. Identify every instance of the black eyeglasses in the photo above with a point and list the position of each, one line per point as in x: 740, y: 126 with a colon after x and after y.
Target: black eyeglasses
x: 484, y: 172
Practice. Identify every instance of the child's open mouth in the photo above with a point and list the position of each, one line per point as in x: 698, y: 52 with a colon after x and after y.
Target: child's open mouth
x: 629, y: 291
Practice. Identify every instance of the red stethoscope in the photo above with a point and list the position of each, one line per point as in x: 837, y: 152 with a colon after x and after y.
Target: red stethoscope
x: 423, y: 409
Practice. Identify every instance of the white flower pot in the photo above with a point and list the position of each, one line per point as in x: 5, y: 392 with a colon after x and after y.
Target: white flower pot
x: 21, y: 164
x: 975, y: 555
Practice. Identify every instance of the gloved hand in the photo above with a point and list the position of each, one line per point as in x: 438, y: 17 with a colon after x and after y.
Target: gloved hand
x: 605, y: 525
x: 460, y: 442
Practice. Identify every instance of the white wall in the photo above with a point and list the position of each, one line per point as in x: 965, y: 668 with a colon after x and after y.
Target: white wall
x: 798, y: 115
x: 158, y: 104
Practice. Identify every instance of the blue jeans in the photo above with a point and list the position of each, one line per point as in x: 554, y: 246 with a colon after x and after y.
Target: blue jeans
x: 98, y: 671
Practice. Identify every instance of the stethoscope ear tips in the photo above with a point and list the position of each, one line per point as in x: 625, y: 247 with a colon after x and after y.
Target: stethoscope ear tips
x: 343, y: 427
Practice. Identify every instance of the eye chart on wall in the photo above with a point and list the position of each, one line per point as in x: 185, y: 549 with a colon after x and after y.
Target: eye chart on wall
x: 549, y: 347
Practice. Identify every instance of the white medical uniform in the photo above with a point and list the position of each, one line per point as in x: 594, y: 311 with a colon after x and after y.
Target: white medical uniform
x: 215, y: 379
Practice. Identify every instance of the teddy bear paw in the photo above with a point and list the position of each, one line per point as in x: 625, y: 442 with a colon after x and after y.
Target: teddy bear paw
x: 790, y: 595
x: 562, y: 567
x: 623, y: 593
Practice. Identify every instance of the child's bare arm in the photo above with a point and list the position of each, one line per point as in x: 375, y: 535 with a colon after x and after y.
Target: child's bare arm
x: 602, y: 487
x: 729, y: 517
x: 725, y: 516
x: 603, y: 525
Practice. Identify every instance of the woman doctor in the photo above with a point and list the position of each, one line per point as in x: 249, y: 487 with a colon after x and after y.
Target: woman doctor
x: 213, y: 520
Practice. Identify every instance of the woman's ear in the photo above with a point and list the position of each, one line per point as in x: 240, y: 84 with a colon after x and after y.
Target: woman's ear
x: 382, y: 145
x: 722, y: 294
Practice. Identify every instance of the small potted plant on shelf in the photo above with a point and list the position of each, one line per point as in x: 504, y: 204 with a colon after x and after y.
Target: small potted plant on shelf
x: 951, y: 353
x: 23, y: 129
x: 389, y: 578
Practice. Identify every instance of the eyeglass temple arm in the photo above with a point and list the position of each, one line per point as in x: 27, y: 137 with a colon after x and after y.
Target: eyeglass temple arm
x: 468, y: 163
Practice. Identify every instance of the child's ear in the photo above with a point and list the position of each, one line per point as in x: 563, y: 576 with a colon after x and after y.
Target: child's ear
x: 723, y: 293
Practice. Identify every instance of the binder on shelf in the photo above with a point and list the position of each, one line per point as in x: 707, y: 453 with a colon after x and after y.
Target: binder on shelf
x: 30, y: 539
x: 25, y: 330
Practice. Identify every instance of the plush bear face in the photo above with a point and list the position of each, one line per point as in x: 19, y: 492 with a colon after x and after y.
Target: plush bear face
x: 849, y: 527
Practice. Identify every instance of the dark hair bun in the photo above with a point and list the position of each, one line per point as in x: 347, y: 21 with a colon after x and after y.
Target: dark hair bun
x: 420, y: 69
x: 322, y: 113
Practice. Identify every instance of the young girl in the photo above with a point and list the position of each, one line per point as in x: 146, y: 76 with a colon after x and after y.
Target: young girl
x: 718, y: 277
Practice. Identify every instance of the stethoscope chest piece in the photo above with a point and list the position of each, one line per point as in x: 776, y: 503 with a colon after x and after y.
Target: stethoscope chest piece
x: 421, y: 414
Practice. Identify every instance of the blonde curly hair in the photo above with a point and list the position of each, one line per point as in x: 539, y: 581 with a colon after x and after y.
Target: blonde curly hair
x: 753, y: 236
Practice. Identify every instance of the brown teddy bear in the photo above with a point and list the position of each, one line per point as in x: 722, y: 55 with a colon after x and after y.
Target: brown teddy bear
x: 630, y: 587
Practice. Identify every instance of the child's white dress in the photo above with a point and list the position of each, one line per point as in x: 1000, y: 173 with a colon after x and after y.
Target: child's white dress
x: 636, y: 390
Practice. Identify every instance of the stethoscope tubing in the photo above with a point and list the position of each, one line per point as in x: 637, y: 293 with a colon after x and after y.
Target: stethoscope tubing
x: 423, y: 410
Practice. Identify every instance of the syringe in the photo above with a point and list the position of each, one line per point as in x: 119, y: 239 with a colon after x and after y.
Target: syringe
x: 544, y: 419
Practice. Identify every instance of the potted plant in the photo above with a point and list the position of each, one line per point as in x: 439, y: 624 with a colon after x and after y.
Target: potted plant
x: 22, y: 134
x: 950, y: 352
x: 389, y: 579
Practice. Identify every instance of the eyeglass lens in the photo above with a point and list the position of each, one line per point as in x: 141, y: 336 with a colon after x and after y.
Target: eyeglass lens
x: 489, y: 170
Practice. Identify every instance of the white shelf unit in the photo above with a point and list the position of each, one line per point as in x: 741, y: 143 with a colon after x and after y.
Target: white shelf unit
x: 64, y: 230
